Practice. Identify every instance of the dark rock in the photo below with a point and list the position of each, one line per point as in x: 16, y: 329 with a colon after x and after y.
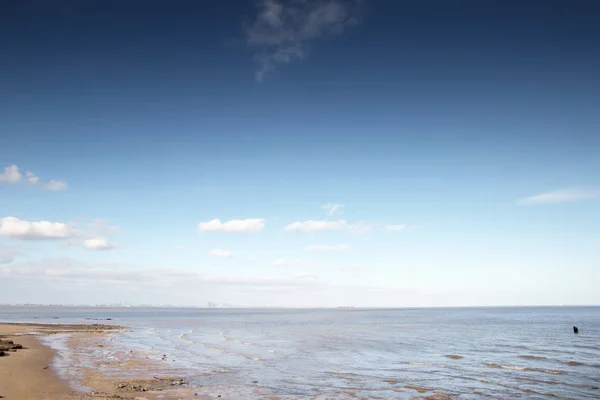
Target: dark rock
x: 9, y: 345
x: 254, y: 381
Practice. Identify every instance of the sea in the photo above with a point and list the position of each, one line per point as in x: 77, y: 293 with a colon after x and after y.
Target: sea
x: 467, y: 353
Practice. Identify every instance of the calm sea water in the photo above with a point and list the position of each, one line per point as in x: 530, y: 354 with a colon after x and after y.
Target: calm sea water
x: 471, y: 353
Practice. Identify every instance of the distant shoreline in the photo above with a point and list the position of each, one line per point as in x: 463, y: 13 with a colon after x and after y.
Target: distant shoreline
x: 168, y: 307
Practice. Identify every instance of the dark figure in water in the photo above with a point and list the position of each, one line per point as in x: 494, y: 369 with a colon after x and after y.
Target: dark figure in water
x: 575, y: 330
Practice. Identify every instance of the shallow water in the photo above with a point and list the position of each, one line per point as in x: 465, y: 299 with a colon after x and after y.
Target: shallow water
x: 353, y: 353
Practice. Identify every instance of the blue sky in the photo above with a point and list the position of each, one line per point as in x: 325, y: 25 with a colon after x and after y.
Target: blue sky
x: 366, y: 153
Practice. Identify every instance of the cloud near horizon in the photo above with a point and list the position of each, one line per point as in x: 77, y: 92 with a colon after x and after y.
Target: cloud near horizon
x: 561, y: 196
x: 249, y: 225
x: 283, y: 31
x: 75, y: 271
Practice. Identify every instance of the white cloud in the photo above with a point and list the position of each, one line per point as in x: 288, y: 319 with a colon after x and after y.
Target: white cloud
x: 221, y: 253
x: 316, y: 226
x: 283, y: 30
x: 561, y: 196
x: 55, y: 185
x: 34, y: 230
x: 92, y: 238
x: 11, y: 174
x: 333, y: 208
x: 236, y: 225
x: 32, y: 178
x: 328, y: 248
x: 98, y: 244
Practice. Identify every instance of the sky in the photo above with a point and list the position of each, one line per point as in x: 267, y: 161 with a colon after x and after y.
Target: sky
x: 300, y: 153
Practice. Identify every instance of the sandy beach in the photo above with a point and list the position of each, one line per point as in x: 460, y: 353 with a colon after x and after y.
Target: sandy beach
x: 26, y: 371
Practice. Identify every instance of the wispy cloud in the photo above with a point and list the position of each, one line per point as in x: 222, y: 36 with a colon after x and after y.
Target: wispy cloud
x: 12, y: 174
x: 337, y: 247
x: 561, y: 196
x: 98, y: 244
x: 282, y: 262
x: 233, y: 226
x: 401, y: 227
x: 55, y: 185
x: 316, y: 226
x: 283, y: 31
x: 333, y: 208
x: 312, y: 226
x: 8, y: 254
x: 221, y: 253
x: 32, y: 178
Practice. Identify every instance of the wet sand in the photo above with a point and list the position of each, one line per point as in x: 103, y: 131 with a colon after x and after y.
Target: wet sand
x: 24, y: 374
x: 27, y: 373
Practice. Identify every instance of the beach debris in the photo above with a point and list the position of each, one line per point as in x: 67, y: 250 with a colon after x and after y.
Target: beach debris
x: 46, y: 367
x: 575, y: 329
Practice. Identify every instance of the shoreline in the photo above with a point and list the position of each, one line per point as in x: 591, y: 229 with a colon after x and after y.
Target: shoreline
x: 29, y: 373
x: 93, y: 369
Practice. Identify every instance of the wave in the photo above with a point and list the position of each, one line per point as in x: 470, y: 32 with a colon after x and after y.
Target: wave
x: 570, y: 363
x: 519, y: 368
x: 531, y: 357
x: 185, y: 338
x: 420, y: 364
x: 250, y: 344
